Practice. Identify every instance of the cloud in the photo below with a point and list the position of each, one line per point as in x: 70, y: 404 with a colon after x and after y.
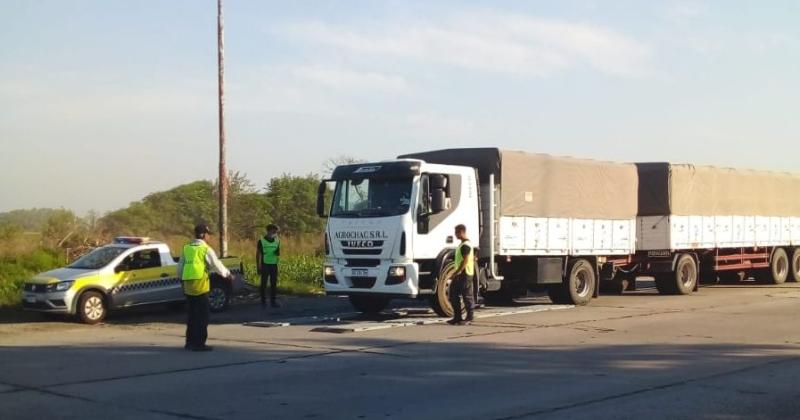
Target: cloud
x: 346, y: 79
x: 491, y: 42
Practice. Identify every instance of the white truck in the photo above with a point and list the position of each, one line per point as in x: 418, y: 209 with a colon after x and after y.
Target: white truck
x: 540, y: 223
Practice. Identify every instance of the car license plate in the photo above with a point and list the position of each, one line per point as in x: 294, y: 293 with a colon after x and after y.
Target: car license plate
x: 360, y: 272
x: 30, y: 299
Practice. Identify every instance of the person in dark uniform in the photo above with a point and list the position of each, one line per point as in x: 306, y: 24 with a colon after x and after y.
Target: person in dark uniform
x: 267, y: 257
x: 461, y: 287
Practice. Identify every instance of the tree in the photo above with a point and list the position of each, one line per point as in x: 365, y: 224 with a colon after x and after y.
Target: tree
x: 331, y: 164
x: 292, y: 201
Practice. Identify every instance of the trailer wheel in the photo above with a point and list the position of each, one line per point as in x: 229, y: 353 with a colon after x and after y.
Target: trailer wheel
x: 369, y: 305
x: 795, y: 277
x: 778, y: 269
x: 219, y: 297
x: 440, y: 301
x: 680, y: 282
x: 578, y: 287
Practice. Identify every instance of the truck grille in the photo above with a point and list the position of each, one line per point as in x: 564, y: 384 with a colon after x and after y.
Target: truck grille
x: 363, y: 282
x: 359, y: 251
x: 362, y: 262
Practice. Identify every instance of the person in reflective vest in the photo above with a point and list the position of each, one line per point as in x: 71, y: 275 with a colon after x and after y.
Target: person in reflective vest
x: 197, y: 260
x: 461, y: 287
x: 268, y: 255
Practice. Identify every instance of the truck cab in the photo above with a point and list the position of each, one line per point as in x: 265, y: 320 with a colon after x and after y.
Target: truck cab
x: 391, y: 225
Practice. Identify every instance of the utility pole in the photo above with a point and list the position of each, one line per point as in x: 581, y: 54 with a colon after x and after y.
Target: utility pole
x: 223, y: 172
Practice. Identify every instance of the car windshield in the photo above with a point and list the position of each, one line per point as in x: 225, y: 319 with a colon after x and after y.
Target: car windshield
x: 371, y: 197
x: 98, y: 258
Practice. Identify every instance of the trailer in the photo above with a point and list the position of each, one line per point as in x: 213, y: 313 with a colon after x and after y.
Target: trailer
x: 709, y: 224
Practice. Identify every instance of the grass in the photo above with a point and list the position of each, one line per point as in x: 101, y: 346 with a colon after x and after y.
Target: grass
x: 15, y: 269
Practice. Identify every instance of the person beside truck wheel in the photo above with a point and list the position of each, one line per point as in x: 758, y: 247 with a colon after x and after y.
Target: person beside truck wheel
x: 461, y: 287
x: 267, y: 258
x: 197, y: 259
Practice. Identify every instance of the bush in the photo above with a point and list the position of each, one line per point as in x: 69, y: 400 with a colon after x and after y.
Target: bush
x: 14, y: 272
x: 297, y: 274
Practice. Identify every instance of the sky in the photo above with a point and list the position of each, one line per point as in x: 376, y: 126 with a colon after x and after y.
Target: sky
x: 103, y: 102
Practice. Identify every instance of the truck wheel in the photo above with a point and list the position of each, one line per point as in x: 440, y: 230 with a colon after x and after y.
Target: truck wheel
x: 369, y: 305
x: 219, y: 297
x: 795, y: 277
x: 440, y: 301
x: 778, y: 269
x: 578, y: 288
x: 680, y: 282
x: 92, y: 307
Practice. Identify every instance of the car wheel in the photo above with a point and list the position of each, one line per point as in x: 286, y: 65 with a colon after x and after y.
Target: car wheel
x: 92, y: 308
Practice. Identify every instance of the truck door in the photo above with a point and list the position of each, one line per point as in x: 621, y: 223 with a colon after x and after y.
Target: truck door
x: 142, y: 279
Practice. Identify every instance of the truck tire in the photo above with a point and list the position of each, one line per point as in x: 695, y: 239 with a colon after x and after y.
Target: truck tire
x: 369, y: 305
x: 680, y: 282
x: 219, y: 297
x: 795, y: 277
x: 440, y: 301
x: 92, y: 307
x: 578, y: 287
x: 778, y: 270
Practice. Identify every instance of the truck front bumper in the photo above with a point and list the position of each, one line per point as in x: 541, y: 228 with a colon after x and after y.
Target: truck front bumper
x: 373, y: 280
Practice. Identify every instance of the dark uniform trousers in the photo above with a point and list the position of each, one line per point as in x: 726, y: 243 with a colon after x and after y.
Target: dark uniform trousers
x: 269, y: 272
x: 197, y: 323
x: 461, y: 288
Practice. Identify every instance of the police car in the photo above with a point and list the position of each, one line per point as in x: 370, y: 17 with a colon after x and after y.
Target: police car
x: 131, y: 271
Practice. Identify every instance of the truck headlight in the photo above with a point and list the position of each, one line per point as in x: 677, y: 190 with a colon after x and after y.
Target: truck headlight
x: 397, y: 275
x: 398, y: 271
x: 329, y: 274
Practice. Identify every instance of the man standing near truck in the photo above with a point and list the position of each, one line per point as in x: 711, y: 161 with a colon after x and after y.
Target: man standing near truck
x: 197, y: 260
x: 267, y: 257
x: 461, y: 287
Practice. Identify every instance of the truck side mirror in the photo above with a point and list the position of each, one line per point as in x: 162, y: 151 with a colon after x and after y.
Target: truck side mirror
x: 438, y: 201
x: 321, y: 198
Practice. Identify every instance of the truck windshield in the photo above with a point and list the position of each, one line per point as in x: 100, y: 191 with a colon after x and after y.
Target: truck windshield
x: 371, y: 197
x: 98, y: 258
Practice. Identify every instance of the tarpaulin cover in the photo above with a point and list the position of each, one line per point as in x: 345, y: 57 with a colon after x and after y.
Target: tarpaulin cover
x: 688, y: 190
x: 540, y: 185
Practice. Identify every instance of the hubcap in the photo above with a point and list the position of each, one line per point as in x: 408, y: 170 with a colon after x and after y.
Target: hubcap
x: 781, y: 267
x: 687, y: 275
x: 582, y: 283
x: 216, y: 298
x: 797, y: 265
x: 93, y: 308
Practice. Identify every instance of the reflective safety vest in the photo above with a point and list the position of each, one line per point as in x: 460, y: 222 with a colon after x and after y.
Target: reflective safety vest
x: 469, y: 269
x: 269, y: 251
x: 194, y: 276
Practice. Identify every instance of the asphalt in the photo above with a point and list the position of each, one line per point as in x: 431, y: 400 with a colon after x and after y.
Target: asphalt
x: 725, y: 352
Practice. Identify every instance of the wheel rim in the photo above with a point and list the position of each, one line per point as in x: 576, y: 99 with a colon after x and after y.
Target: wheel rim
x: 444, y: 298
x: 796, y: 265
x: 582, y: 282
x: 781, y: 267
x: 687, y: 275
x: 216, y: 298
x: 93, y: 308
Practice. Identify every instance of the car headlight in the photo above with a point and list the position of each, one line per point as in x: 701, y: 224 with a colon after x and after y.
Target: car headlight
x: 62, y: 286
x: 397, y: 271
x: 328, y: 271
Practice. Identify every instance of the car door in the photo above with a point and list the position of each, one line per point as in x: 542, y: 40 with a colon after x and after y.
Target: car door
x: 142, y: 279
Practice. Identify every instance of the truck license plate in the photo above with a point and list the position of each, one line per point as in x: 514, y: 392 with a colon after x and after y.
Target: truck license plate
x: 360, y: 272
